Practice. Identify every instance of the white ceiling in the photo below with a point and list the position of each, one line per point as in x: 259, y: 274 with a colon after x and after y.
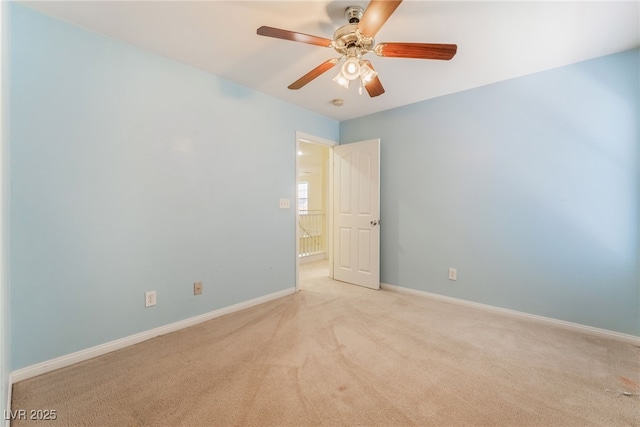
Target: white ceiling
x: 496, y: 41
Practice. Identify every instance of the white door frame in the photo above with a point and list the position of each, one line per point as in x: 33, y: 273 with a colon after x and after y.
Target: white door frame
x: 305, y: 137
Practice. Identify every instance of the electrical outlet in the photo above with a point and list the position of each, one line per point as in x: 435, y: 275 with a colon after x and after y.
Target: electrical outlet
x: 197, y: 288
x: 150, y: 298
x: 453, y: 274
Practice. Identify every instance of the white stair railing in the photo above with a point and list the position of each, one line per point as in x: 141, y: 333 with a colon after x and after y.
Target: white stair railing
x: 312, y: 232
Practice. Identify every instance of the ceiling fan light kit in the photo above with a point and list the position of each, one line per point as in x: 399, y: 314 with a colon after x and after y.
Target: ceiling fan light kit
x: 341, y: 80
x: 351, y: 68
x: 367, y: 73
x: 356, y: 39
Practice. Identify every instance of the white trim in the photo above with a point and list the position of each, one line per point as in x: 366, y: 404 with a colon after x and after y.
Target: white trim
x: 5, y: 334
x: 9, y: 393
x: 305, y: 137
x: 312, y: 258
x: 575, y: 327
x: 99, y: 350
x: 7, y: 422
x: 330, y: 195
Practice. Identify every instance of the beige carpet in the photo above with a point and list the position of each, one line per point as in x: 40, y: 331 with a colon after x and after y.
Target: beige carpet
x: 336, y: 354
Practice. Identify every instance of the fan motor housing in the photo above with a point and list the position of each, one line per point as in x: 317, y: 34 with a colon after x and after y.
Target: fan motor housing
x: 348, y: 36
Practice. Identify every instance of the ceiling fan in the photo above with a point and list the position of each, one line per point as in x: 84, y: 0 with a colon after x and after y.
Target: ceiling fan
x: 355, y: 40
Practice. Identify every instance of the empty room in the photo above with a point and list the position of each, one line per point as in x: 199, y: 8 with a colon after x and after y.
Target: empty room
x: 286, y: 213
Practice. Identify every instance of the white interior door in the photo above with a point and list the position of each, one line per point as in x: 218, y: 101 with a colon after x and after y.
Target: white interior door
x: 356, y: 216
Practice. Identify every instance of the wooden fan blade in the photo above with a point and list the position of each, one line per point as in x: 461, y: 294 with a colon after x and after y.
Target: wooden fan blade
x: 293, y: 36
x: 320, y: 69
x: 417, y: 50
x: 374, y: 87
x: 375, y: 15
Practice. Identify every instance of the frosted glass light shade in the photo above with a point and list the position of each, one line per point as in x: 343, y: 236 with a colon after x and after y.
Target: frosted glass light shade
x: 351, y: 69
x: 341, y: 80
x: 367, y: 74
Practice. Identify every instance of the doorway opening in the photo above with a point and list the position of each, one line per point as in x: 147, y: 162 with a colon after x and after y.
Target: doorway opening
x: 313, y: 209
x: 338, y: 210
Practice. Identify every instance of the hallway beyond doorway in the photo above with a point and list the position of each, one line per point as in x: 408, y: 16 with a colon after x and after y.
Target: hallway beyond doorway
x: 314, y: 274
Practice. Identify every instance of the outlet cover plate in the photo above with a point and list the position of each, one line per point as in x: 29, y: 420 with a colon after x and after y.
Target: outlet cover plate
x: 197, y: 288
x: 285, y: 203
x: 150, y: 298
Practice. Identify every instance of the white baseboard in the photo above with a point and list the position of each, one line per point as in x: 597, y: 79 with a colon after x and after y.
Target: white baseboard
x: 313, y: 258
x: 99, y: 350
x: 576, y: 327
x: 8, y: 407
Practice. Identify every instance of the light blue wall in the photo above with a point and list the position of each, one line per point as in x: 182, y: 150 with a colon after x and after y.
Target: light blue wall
x: 130, y: 172
x: 5, y: 332
x: 529, y: 187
